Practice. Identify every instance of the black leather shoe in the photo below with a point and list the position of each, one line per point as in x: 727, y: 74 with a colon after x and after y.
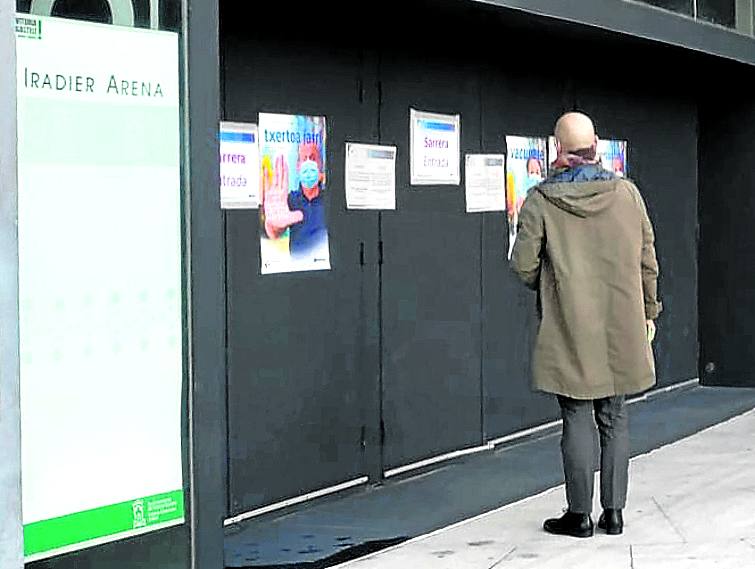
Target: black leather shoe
x: 575, y: 525
x: 611, y: 521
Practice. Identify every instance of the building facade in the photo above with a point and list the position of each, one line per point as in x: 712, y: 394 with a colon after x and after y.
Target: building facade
x: 408, y: 341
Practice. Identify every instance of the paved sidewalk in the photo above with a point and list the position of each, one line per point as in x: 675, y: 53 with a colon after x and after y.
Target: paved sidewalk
x: 691, y: 506
x: 345, y: 526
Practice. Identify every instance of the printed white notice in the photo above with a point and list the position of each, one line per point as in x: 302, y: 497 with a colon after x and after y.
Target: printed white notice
x: 239, y: 166
x: 485, y: 181
x: 434, y: 148
x: 370, y: 176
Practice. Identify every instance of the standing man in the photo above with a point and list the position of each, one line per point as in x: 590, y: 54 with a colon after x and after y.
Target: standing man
x: 586, y: 245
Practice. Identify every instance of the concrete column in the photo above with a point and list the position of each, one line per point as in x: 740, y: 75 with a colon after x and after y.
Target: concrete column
x: 206, y: 283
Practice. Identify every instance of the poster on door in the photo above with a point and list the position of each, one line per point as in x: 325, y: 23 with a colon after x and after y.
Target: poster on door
x: 293, y: 195
x: 552, y: 153
x: 434, y: 152
x: 239, y: 166
x: 612, y: 155
x: 525, y: 169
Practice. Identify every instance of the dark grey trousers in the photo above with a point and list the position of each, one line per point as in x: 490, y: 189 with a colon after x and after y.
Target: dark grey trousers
x: 578, y: 448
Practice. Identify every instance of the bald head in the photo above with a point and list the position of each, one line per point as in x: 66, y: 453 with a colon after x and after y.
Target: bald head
x: 575, y: 131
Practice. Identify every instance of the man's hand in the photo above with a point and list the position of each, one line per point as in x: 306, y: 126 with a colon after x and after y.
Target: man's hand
x: 651, y: 330
x: 278, y: 217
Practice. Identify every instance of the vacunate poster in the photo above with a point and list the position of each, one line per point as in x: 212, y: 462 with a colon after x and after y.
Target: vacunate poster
x: 525, y: 169
x: 612, y: 155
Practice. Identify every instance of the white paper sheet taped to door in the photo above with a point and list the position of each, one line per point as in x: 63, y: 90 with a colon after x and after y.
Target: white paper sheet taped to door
x: 485, y: 182
x: 370, y: 176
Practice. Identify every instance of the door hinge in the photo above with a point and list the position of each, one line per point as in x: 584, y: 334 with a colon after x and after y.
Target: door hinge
x: 361, y: 253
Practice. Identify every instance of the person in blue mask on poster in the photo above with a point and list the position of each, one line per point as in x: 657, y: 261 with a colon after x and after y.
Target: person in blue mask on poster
x: 312, y: 231
x: 534, y: 173
x: 534, y: 176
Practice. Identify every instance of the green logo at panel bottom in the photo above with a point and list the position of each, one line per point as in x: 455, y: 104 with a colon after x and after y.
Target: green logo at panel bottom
x: 65, y: 531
